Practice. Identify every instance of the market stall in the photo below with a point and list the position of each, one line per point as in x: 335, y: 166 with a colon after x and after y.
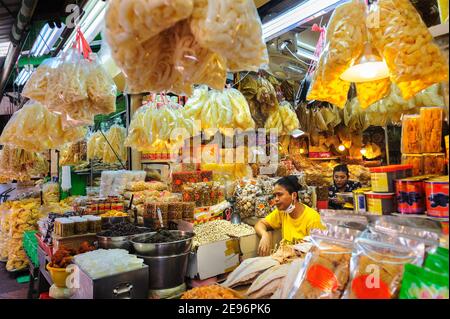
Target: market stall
x: 158, y: 190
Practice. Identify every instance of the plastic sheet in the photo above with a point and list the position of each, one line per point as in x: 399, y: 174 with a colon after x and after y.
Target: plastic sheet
x: 346, y: 35
x: 34, y: 120
x: 231, y: 29
x: 400, y: 35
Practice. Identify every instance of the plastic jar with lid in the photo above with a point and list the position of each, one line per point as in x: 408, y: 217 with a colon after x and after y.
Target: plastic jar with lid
x: 94, y: 223
x: 383, y: 178
x: 381, y: 203
x: 81, y: 225
x: 64, y: 227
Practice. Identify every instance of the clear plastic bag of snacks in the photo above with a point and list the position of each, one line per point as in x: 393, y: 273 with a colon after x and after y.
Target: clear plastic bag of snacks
x: 411, y: 141
x: 373, y: 91
x: 403, y: 39
x: 346, y: 36
x: 35, y: 120
x: 377, y: 265
x: 431, y: 129
x: 233, y: 30
x: 36, y: 87
x: 326, y: 270
x: 101, y: 88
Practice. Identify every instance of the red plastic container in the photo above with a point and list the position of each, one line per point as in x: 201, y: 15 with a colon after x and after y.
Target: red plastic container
x: 322, y: 204
x: 436, y: 191
x: 410, y: 195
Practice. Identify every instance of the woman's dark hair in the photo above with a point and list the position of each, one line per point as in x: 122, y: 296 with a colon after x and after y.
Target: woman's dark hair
x: 341, y: 168
x: 290, y: 183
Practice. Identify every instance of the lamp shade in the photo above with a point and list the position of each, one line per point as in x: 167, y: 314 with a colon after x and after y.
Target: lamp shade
x: 370, y: 67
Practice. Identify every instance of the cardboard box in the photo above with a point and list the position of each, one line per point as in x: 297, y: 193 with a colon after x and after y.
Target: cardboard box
x: 248, y: 245
x: 214, y: 259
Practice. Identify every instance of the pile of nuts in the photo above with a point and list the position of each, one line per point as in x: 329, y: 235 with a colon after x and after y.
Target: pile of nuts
x: 218, y: 230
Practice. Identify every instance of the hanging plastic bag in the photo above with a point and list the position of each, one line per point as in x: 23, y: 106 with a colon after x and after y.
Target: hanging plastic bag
x: 101, y: 89
x: 233, y: 30
x: 36, y: 87
x: 325, y: 272
x: 400, y: 35
x: 130, y: 21
x: 34, y: 120
x: 116, y: 137
x: 373, y: 91
x: 346, y: 36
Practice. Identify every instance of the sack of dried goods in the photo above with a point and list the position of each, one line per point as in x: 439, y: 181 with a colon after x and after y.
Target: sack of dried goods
x: 326, y: 269
x: 268, y: 282
x: 248, y: 270
x: 377, y: 265
x: 35, y: 120
x: 403, y: 39
x: 233, y: 30
x: 346, y: 36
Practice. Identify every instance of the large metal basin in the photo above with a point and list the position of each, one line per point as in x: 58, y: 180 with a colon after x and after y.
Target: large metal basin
x: 166, y: 272
x: 162, y: 249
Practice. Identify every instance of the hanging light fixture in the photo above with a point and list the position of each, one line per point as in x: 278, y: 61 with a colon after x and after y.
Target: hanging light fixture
x: 370, y: 67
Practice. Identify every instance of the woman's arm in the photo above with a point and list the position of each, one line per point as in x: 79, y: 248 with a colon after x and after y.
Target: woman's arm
x: 262, y: 228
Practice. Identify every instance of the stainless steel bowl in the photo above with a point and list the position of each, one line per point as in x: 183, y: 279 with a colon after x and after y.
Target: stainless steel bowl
x: 117, y: 242
x: 162, y: 249
x: 121, y: 242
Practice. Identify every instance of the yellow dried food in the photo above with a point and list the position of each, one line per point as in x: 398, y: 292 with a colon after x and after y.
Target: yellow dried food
x: 116, y: 137
x: 373, y: 91
x: 416, y: 160
x: 346, y: 35
x: 34, y: 120
x: 434, y: 164
x: 400, y: 35
x: 431, y: 129
x: 411, y: 140
x: 36, y: 87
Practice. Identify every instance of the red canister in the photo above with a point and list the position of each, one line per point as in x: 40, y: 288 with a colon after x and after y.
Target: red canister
x: 436, y: 191
x: 410, y: 195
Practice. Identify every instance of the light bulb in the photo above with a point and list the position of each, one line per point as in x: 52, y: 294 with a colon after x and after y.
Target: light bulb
x: 341, y: 148
x: 363, y: 151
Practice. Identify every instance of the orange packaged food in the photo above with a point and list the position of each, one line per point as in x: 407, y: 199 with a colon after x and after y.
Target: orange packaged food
x: 411, y: 134
x: 416, y: 160
x: 431, y: 129
x: 210, y: 292
x: 434, y: 164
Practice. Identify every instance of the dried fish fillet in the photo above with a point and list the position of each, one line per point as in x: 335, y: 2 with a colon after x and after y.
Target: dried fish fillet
x: 248, y: 270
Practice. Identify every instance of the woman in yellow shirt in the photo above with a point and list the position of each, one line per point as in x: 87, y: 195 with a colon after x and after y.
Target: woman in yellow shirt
x: 294, y: 218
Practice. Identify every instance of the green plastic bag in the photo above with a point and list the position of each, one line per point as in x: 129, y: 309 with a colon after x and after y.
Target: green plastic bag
x: 437, y: 263
x: 421, y: 283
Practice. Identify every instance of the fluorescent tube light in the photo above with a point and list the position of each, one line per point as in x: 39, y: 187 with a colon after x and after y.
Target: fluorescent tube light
x: 91, y: 23
x: 45, y: 40
x: 294, y: 16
